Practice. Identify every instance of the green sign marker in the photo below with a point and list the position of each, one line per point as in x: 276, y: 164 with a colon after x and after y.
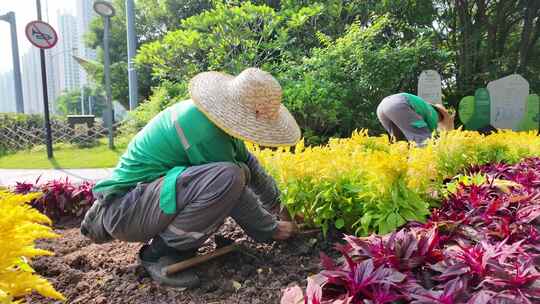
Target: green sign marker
x: 481, y: 116
x: 466, y: 109
x: 530, y: 121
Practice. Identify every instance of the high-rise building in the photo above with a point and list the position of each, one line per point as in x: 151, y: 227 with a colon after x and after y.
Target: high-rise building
x: 7, y: 92
x: 67, y: 74
x: 69, y: 77
x: 31, y: 82
x: 85, y: 14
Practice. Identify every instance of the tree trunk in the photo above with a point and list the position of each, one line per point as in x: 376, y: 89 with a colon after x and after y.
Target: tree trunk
x: 479, y: 29
x: 493, y: 28
x: 529, y: 15
x: 464, y: 52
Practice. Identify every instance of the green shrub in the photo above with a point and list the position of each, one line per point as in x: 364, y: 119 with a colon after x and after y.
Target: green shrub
x: 163, y: 96
x: 227, y: 38
x: 26, y: 123
x: 335, y: 60
x: 338, y: 88
x: 12, y: 120
x: 15, y: 121
x: 365, y: 184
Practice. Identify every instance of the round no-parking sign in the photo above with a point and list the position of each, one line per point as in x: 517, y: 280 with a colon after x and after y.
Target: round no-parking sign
x: 41, y: 34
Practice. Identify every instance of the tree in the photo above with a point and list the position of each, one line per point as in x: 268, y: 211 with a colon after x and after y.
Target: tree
x: 530, y: 33
x: 333, y: 73
x: 157, y: 18
x: 152, y: 19
x: 227, y: 38
x: 338, y: 88
x: 337, y: 59
x: 490, y: 38
x: 69, y: 103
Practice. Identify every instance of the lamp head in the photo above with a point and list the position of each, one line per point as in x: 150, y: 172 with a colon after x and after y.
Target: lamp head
x: 104, y: 8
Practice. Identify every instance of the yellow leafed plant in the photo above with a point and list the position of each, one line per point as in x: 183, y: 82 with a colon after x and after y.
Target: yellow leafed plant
x: 367, y: 184
x: 20, y: 226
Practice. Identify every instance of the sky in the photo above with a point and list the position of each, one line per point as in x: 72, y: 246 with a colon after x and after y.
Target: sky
x: 25, y: 11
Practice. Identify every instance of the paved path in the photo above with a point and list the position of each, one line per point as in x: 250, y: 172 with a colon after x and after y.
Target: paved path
x: 9, y: 177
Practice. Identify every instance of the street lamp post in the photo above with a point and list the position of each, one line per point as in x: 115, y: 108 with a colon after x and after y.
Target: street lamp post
x: 131, y: 48
x: 10, y: 18
x: 106, y: 10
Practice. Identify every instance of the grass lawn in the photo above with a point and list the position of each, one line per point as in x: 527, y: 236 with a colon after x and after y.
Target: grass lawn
x: 65, y: 157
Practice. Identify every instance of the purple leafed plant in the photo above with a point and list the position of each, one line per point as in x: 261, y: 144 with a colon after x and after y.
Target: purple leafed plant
x: 482, y: 246
x: 26, y: 187
x: 60, y: 198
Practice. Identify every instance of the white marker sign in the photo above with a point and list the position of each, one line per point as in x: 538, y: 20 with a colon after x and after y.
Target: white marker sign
x: 429, y: 86
x: 508, y: 99
x: 41, y: 34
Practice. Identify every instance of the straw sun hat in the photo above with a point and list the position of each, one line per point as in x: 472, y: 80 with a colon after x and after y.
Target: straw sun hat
x: 247, y: 106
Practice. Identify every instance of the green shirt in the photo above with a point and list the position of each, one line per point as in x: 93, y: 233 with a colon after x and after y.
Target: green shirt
x: 179, y: 137
x: 430, y: 117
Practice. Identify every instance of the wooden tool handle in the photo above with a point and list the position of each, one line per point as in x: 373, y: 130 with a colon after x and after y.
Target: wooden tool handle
x: 309, y: 232
x: 174, y: 268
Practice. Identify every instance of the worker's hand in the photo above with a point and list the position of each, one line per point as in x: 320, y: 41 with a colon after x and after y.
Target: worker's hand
x: 284, y: 215
x: 284, y: 230
x: 281, y: 212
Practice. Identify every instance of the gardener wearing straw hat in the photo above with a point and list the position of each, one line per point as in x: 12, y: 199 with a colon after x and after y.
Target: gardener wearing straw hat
x: 409, y: 117
x: 188, y: 170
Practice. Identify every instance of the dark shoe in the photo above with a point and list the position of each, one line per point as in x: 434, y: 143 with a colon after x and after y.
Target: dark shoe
x: 156, y: 256
x: 157, y: 248
x: 92, y: 224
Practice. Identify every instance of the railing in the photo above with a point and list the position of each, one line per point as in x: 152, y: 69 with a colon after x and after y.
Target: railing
x: 13, y: 138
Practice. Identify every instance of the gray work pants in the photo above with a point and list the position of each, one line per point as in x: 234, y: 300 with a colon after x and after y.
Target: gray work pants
x: 397, y: 116
x: 206, y: 195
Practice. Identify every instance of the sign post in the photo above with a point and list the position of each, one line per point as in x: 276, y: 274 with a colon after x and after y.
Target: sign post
x: 43, y: 36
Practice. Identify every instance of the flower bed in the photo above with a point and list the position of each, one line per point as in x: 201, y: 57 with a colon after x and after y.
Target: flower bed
x: 366, y: 184
x: 480, y: 246
x: 60, y: 198
x: 24, y: 211
x: 20, y: 226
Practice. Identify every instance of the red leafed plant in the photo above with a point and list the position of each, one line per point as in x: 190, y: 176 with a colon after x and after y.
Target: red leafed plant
x: 60, y: 198
x: 482, y: 246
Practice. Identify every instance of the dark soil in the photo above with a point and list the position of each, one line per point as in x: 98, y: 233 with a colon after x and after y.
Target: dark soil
x: 109, y: 273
